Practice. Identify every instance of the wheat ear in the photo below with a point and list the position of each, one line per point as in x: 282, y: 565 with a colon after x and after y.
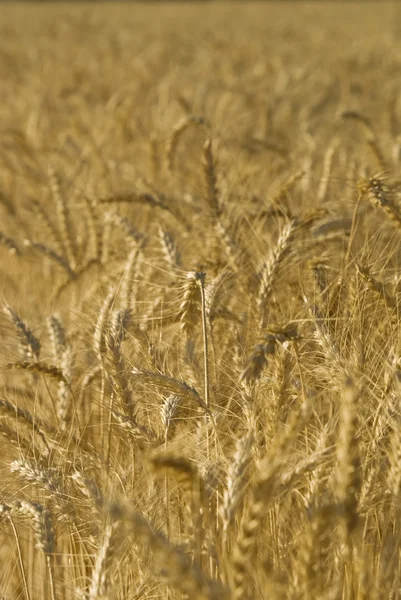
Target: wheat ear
x: 105, y: 556
x: 63, y: 215
x: 348, y: 477
x: 271, y: 267
x: 236, y: 478
x: 44, y: 533
x: 23, y: 416
x: 381, y: 195
x: 30, y: 345
x: 209, y: 172
x: 176, y: 135
x: 170, y: 250
x: 52, y: 255
x: 183, y: 574
x: 189, y: 310
x: 264, y: 491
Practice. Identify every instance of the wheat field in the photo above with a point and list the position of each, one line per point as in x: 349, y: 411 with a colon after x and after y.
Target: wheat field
x: 200, y: 279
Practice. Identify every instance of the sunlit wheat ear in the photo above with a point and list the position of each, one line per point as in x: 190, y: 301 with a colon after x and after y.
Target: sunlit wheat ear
x: 328, y: 344
x: 130, y: 275
x: 18, y: 442
x: 132, y: 236
x: 42, y: 523
x: 57, y: 335
x: 144, y: 436
x: 382, y: 196
x: 190, y: 483
x: 271, y: 267
x: 120, y: 321
x: 279, y: 201
x: 63, y: 215
x: 48, y: 230
x: 348, y: 476
x: 101, y: 325
x: 29, y: 344
x: 107, y: 554
x: 237, y: 257
x: 176, y: 135
x: 117, y: 370
x: 181, y: 468
x: 213, y: 291
x: 41, y: 368
x: 170, y: 251
x: 210, y: 178
x: 89, y: 489
x: 94, y: 247
x: 24, y: 418
x: 237, y: 475
x: 62, y: 353
x: 170, y: 563
x: 320, y: 457
x: 378, y: 287
x: 310, y: 570
x: 280, y: 381
x: 170, y: 384
x: 258, y: 359
x: 263, y: 493
x: 326, y: 171
x: 48, y: 482
x: 36, y: 475
x: 190, y: 307
x: 51, y: 255
x: 168, y: 413
x: 44, y: 533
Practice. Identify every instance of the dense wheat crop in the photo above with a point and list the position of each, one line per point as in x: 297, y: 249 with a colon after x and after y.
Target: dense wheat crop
x: 200, y: 275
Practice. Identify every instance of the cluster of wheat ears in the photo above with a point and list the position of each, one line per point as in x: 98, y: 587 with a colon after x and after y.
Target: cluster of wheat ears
x: 200, y: 275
